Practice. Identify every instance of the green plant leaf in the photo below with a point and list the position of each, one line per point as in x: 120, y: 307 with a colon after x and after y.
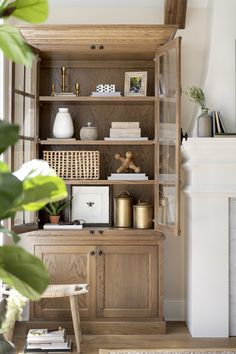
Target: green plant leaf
x: 3, y: 167
x: 23, y: 271
x: 11, y: 191
x: 10, y: 233
x: 8, y: 133
x: 40, y: 190
x: 13, y: 45
x: 33, y: 11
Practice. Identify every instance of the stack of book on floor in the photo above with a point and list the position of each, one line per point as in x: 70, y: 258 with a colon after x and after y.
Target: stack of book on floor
x: 47, y: 341
x: 125, y: 131
x: 128, y: 176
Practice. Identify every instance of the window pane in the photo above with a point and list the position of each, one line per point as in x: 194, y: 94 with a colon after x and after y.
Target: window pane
x: 19, y: 111
x: 29, y: 80
x: 18, y: 155
x: 29, y: 150
x: 167, y: 205
x: 29, y: 217
x: 19, y: 218
x: 19, y: 77
x: 29, y: 127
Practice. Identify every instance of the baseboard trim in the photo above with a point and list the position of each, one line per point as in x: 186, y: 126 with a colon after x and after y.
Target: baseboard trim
x: 174, y: 310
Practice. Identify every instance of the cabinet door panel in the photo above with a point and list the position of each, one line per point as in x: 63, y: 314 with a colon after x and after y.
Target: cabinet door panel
x: 66, y: 265
x: 167, y: 171
x: 127, y: 281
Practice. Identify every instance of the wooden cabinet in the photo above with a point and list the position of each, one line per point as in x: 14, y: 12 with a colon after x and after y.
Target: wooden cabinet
x: 125, y: 276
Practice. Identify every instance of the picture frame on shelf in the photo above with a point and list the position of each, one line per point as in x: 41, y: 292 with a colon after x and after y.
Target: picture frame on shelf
x: 92, y: 204
x: 135, y: 83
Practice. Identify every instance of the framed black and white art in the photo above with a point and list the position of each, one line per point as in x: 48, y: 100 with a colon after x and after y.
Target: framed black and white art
x: 92, y: 204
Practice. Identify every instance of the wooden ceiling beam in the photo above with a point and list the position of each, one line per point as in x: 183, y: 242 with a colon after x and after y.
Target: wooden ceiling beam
x: 175, y: 13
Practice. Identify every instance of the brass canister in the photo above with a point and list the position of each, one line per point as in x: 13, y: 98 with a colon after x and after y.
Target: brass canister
x: 123, y: 210
x: 143, y: 215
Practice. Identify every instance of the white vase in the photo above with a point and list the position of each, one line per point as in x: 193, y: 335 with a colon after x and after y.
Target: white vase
x: 63, y: 125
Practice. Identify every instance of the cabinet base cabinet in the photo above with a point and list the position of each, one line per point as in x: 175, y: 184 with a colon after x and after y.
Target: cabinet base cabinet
x: 125, y: 283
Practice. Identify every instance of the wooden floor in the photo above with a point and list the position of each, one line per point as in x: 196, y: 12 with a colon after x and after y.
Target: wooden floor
x: 177, y: 337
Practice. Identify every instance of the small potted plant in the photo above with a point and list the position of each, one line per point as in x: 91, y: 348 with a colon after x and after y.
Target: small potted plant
x: 54, y: 210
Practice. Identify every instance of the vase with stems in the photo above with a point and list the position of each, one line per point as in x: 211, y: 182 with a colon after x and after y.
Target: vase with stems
x: 204, y: 120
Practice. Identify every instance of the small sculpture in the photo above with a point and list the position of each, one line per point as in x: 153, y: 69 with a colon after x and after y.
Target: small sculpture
x: 77, y: 89
x: 127, y: 163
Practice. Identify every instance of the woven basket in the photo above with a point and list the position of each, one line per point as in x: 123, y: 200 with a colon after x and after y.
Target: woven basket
x: 74, y: 164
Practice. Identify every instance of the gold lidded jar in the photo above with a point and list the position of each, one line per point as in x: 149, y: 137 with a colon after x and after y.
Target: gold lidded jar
x: 143, y: 215
x: 89, y: 132
x: 123, y: 210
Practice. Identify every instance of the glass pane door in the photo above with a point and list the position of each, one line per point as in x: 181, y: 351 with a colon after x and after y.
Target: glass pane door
x: 24, y: 100
x: 168, y: 137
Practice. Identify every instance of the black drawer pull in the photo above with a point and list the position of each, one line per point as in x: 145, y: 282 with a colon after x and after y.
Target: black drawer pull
x: 100, y: 232
x: 99, y: 253
x: 101, y: 47
x: 91, y: 232
x: 92, y: 253
x: 93, y: 46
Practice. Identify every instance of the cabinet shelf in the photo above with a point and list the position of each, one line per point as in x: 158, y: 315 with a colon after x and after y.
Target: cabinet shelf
x: 106, y: 100
x: 95, y: 142
x: 107, y: 182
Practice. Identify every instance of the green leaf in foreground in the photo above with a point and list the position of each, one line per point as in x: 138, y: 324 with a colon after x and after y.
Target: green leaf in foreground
x: 8, y: 133
x: 13, y: 45
x: 33, y: 11
x: 40, y: 190
x: 23, y: 271
x: 11, y: 189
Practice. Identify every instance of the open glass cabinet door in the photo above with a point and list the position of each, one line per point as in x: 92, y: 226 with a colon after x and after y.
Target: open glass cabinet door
x: 167, y: 136
x: 24, y: 111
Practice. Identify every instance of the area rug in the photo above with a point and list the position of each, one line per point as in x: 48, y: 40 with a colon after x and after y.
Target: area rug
x: 168, y: 351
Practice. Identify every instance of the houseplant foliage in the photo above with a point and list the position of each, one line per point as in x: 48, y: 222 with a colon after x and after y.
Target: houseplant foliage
x: 33, y: 187
x: 54, y: 209
x: 196, y: 95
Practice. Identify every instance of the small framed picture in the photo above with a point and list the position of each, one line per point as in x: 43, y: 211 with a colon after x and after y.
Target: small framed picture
x: 135, y: 83
x: 91, y: 204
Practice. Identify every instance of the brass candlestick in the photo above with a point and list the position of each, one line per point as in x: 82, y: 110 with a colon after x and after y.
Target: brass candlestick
x: 77, y: 89
x: 53, y: 90
x: 63, y: 78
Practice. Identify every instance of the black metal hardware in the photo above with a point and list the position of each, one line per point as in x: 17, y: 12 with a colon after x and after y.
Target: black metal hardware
x: 101, y: 47
x: 100, y: 253
x: 183, y: 136
x: 91, y: 232
x: 100, y: 232
x: 93, y: 46
x: 92, y: 253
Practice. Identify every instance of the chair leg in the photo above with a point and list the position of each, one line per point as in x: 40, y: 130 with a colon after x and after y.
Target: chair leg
x: 76, y: 320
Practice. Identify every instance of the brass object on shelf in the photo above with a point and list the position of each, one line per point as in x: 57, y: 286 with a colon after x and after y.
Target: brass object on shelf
x: 143, y: 215
x: 77, y: 89
x: 63, y: 79
x: 123, y: 211
x: 53, y: 90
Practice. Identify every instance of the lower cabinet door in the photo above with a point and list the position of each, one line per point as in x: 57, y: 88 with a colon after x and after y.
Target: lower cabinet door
x: 66, y: 265
x: 127, y: 281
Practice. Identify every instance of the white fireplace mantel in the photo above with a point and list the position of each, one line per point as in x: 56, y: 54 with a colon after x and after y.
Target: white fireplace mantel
x: 209, y: 181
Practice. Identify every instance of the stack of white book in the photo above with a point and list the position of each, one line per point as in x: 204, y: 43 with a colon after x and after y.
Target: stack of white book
x: 47, y: 341
x: 128, y: 176
x: 125, y: 131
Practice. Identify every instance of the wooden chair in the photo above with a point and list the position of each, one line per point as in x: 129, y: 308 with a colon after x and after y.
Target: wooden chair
x: 72, y: 291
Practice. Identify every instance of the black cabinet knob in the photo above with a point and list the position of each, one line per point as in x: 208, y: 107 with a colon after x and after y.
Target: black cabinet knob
x: 100, y: 253
x: 93, y: 47
x: 100, y: 232
x: 92, y: 253
x: 101, y: 47
x: 91, y: 232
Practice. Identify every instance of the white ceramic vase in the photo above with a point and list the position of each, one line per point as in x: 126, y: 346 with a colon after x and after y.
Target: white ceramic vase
x: 63, y: 125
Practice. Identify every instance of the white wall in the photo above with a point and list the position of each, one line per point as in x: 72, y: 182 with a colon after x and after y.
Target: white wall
x: 220, y: 79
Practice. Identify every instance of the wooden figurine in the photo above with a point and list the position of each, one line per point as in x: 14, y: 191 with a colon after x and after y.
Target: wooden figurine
x: 127, y: 163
